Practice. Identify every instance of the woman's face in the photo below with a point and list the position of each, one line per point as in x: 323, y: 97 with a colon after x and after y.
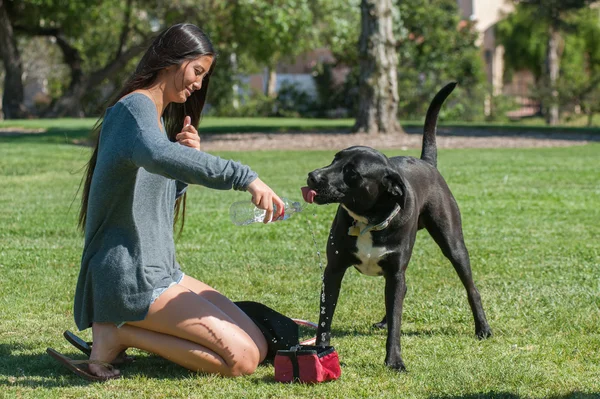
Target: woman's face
x: 187, y: 78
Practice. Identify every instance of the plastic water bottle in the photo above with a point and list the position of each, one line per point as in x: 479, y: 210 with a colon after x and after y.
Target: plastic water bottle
x: 243, y: 213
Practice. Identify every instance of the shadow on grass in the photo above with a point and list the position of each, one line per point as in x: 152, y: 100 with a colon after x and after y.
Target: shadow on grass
x: 40, y: 370
x: 52, y: 135
x: 369, y: 330
x: 216, y: 130
x: 31, y: 370
x: 541, y: 132
x: 508, y: 395
x: 56, y: 135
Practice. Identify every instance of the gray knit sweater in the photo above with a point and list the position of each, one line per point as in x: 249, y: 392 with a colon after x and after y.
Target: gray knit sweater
x: 129, y: 249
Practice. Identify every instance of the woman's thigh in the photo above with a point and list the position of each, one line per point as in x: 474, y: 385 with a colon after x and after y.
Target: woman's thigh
x: 182, y: 313
x: 230, y: 309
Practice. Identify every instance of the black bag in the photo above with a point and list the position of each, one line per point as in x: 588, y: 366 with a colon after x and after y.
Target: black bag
x: 280, y: 331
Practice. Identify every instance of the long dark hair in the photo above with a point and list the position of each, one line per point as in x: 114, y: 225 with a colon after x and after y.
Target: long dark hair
x: 173, y: 46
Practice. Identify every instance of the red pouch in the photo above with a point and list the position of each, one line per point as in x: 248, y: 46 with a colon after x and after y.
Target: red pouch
x: 308, y: 364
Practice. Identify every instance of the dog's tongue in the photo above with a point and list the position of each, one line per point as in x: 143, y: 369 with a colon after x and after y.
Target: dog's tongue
x: 308, y: 194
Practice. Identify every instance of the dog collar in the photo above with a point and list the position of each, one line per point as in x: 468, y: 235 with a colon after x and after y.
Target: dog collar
x: 356, y: 231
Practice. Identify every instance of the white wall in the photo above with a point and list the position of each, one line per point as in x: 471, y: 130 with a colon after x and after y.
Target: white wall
x: 301, y: 81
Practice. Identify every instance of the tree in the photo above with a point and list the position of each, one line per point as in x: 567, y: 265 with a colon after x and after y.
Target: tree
x: 95, y: 40
x: 101, y: 40
x: 435, y: 47
x: 554, y: 14
x: 378, y: 92
x: 579, y: 80
x: 524, y: 41
x: 272, y: 30
x: 12, y: 98
x: 68, y: 23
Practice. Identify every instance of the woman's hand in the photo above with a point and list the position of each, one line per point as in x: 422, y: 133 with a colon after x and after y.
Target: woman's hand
x: 189, y: 135
x: 264, y: 198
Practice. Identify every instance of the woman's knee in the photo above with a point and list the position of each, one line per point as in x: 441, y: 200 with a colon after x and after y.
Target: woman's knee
x: 244, y: 361
x: 242, y: 368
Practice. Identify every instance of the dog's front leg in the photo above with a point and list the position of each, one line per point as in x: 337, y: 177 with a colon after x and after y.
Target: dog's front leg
x: 395, y: 290
x: 330, y: 290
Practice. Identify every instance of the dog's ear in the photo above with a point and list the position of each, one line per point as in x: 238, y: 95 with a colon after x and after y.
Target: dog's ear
x: 394, y: 185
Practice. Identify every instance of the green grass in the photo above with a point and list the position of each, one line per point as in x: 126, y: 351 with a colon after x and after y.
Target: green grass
x: 531, y: 223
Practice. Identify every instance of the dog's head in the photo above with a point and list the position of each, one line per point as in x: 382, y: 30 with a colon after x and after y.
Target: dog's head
x: 359, y: 178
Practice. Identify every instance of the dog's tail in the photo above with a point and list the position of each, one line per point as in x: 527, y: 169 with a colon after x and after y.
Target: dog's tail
x: 429, y: 151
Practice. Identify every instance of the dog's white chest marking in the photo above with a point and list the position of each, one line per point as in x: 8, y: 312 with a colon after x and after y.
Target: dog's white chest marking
x: 369, y: 255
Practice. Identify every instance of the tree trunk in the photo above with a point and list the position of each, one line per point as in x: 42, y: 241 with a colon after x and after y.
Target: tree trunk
x: 70, y: 104
x: 235, y: 88
x: 552, y: 69
x: 271, y: 82
x: 12, y: 99
x: 378, y: 90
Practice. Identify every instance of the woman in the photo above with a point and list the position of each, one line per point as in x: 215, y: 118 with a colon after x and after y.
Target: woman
x: 130, y: 289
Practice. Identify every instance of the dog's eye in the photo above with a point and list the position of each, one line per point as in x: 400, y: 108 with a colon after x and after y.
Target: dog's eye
x: 350, y: 173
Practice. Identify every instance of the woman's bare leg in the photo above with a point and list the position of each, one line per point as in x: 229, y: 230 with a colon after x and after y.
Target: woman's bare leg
x: 187, y: 329
x: 183, y: 352
x: 228, y: 307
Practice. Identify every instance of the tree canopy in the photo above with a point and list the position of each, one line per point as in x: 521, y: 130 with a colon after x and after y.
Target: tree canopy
x: 558, y: 42
x: 100, y: 42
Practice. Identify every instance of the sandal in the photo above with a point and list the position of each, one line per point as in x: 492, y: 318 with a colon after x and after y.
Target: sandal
x: 85, y: 347
x: 79, y: 367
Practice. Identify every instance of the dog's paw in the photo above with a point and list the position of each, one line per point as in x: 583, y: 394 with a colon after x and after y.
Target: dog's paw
x: 483, y: 333
x: 397, y: 365
x: 381, y: 325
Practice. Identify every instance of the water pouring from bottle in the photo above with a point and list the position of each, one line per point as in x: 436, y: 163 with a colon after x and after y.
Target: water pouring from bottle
x: 243, y: 213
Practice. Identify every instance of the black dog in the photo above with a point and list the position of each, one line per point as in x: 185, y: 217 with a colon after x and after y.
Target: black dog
x: 383, y: 202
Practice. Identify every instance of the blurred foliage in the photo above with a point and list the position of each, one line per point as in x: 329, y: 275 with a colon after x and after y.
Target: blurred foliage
x: 289, y: 102
x: 524, y: 35
x: 270, y: 30
x: 434, y: 47
x: 341, y: 29
x: 525, y: 42
x: 579, y: 82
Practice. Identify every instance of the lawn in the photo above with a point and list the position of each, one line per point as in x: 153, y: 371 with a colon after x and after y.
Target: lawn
x: 531, y: 223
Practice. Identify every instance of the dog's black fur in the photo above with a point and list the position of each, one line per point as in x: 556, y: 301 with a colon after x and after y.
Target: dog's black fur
x: 368, y: 186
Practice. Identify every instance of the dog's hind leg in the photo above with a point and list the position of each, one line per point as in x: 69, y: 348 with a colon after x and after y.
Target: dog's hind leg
x: 448, y: 235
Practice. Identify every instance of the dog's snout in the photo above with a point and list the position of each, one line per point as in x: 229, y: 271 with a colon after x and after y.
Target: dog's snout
x: 315, y: 178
